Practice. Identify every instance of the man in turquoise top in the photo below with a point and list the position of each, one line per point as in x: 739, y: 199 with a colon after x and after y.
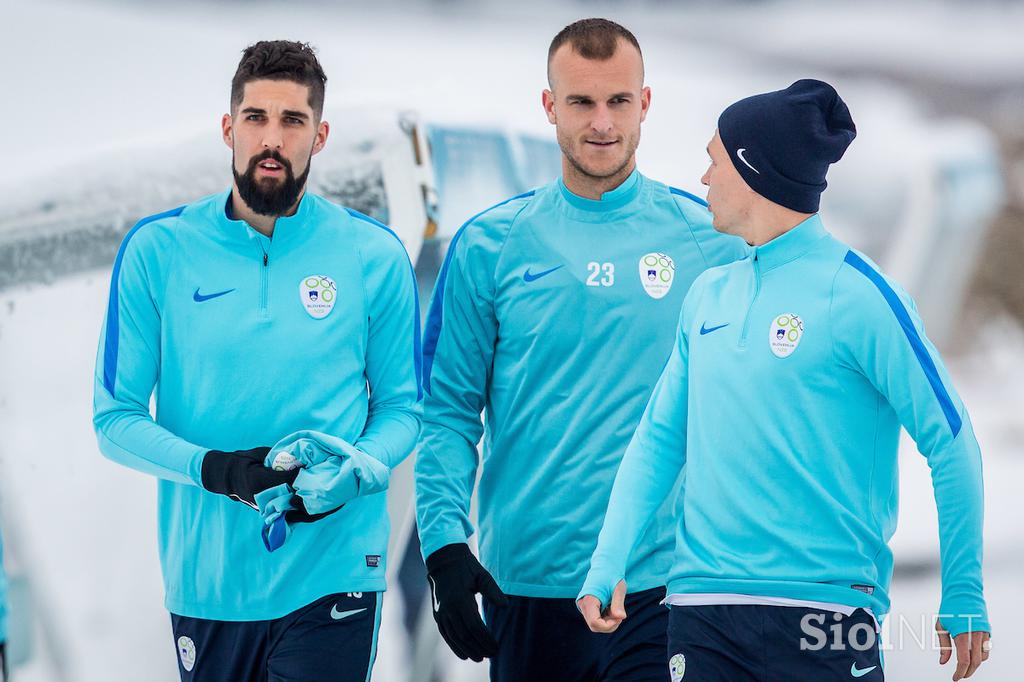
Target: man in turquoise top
x: 553, y: 314
x: 791, y: 375
x: 256, y: 314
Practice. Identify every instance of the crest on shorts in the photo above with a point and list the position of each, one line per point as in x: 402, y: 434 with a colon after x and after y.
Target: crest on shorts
x: 677, y: 667
x: 187, y: 653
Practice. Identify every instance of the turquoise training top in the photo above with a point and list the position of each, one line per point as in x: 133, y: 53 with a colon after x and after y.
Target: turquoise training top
x: 554, y: 315
x: 792, y: 372
x: 246, y: 340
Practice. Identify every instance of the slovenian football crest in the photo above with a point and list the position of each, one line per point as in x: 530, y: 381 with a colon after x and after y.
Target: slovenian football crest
x: 657, y: 270
x: 318, y: 293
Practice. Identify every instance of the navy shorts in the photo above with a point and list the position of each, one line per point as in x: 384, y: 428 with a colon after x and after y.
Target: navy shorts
x: 334, y: 638
x: 547, y: 640
x: 752, y: 643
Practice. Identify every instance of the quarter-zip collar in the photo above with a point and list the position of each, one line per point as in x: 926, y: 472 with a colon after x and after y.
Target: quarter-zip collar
x: 790, y: 245
x: 286, y: 228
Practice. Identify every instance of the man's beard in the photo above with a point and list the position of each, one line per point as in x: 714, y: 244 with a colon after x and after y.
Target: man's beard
x: 568, y: 151
x: 269, y: 197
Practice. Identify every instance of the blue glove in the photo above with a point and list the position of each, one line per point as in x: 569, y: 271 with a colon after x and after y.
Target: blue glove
x: 331, y: 472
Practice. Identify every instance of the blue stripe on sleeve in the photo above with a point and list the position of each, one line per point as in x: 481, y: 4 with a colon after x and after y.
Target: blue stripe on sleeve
x: 113, y: 309
x: 923, y: 357
x: 691, y: 197
x: 432, y: 330
x: 416, y: 358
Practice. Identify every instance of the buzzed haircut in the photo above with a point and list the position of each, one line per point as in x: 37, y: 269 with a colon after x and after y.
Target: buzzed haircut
x: 280, y: 60
x: 592, y: 39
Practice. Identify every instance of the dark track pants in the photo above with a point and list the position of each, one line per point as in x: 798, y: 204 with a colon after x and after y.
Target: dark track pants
x: 547, y: 640
x: 752, y: 643
x: 334, y: 638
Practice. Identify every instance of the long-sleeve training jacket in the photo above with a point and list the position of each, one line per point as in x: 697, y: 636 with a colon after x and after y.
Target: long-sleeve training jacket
x: 244, y: 340
x: 553, y: 315
x: 792, y: 372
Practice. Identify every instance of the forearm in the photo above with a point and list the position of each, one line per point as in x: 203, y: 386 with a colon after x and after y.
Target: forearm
x: 645, y: 478
x: 390, y: 433
x: 959, y: 497
x: 445, y: 477
x: 134, y: 440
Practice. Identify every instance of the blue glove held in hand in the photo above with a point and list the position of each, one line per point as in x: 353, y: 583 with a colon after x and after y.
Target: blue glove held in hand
x: 331, y: 472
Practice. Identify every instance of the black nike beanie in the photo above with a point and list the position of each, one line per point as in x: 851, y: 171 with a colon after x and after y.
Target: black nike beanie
x: 783, y: 142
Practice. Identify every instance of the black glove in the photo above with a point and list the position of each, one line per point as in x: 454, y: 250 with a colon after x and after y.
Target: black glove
x: 241, y: 475
x: 455, y: 576
x: 300, y: 515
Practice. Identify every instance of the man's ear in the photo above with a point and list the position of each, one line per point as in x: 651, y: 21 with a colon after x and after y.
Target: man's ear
x: 227, y: 131
x: 323, y: 129
x: 547, y: 100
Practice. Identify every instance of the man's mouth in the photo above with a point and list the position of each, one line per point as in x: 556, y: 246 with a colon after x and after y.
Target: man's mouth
x: 602, y: 143
x: 270, y: 166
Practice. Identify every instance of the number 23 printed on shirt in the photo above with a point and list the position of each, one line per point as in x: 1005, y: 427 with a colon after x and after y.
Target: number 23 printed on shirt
x: 601, y: 274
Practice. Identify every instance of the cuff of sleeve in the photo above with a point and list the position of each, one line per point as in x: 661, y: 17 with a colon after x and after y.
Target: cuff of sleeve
x: 194, y: 468
x: 597, y: 588
x: 457, y: 551
x: 958, y: 625
x: 430, y: 545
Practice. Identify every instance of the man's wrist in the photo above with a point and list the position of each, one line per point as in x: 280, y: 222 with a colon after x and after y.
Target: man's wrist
x: 213, y: 471
x: 456, y: 551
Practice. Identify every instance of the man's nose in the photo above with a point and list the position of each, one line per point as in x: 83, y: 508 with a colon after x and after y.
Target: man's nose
x: 272, y: 138
x: 602, y: 122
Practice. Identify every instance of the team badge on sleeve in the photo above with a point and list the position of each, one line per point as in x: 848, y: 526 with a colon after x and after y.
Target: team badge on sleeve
x: 785, y: 334
x: 677, y: 667
x: 657, y: 270
x: 318, y: 293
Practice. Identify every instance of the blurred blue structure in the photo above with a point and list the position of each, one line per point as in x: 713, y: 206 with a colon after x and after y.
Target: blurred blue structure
x: 475, y: 168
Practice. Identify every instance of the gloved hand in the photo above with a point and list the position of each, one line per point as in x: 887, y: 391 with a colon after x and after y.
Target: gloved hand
x: 241, y: 474
x: 281, y: 509
x: 331, y: 472
x: 300, y: 515
x: 455, y: 577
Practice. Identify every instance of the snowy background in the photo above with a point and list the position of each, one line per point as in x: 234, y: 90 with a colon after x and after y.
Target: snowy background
x: 118, y: 104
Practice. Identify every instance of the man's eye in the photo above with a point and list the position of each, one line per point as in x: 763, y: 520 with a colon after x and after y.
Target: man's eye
x: 254, y: 117
x: 294, y: 120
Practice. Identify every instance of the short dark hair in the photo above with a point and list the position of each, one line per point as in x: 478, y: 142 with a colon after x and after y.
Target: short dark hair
x: 280, y: 60
x: 592, y: 39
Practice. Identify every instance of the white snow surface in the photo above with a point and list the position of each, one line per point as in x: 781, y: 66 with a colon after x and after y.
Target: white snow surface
x: 101, y: 80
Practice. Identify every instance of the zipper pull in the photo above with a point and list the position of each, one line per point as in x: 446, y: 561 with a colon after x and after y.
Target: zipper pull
x: 266, y: 259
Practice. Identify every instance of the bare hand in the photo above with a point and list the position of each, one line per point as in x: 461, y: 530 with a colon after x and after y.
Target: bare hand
x: 608, y: 621
x: 972, y: 649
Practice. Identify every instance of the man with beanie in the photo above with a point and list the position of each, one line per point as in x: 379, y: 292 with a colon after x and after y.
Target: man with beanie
x: 789, y: 442
x: 554, y: 313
